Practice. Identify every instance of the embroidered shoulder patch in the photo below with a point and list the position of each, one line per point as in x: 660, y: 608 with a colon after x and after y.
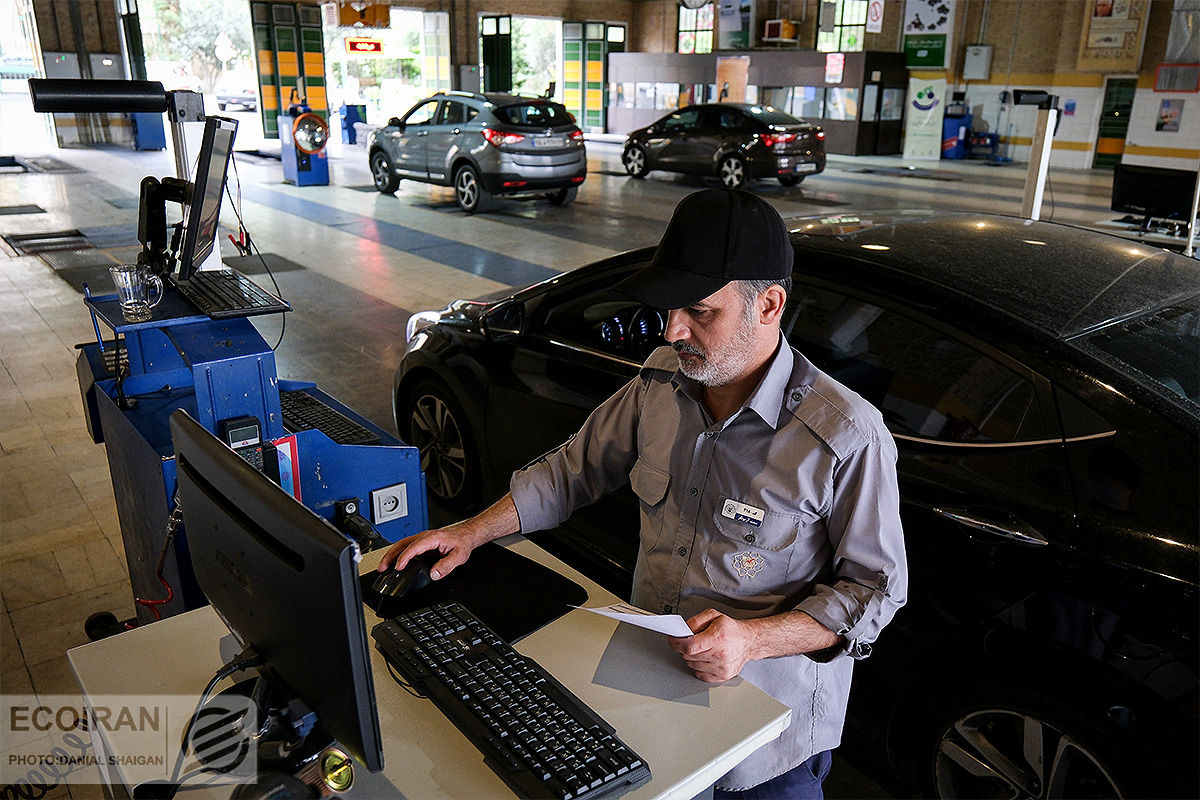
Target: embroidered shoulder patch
x: 747, y: 563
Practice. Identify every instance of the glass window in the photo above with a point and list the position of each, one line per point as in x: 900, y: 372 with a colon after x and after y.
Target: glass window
x: 695, y: 29
x: 1162, y: 346
x: 841, y: 103
x: 808, y: 101
x: 928, y: 384
x: 682, y: 121
x: 422, y: 114
x: 666, y: 96
x: 892, y: 106
x: 600, y: 319
x: 539, y: 114
x: 843, y: 25
x: 644, y: 97
x: 869, y: 102
x: 454, y: 113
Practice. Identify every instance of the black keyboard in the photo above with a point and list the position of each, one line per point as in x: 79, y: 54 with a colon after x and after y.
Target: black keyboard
x: 222, y: 293
x: 537, y: 736
x: 303, y: 412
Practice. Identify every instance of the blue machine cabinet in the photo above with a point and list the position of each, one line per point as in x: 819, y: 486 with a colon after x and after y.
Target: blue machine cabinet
x: 214, y: 370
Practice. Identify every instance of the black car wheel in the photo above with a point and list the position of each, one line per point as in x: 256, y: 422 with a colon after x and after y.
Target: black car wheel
x: 564, y: 197
x: 733, y: 172
x: 469, y: 192
x: 1011, y: 750
x: 790, y: 180
x: 634, y: 159
x: 381, y: 172
x: 435, y: 424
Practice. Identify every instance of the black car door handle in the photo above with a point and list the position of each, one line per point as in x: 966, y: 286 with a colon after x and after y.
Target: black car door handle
x: 1006, y: 526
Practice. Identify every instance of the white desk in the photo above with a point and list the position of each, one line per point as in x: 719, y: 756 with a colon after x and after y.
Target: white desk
x: 689, y: 732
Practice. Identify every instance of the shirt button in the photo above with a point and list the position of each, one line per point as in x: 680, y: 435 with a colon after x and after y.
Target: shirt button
x: 683, y: 551
x: 693, y: 491
x: 667, y: 608
x: 749, y: 537
x: 797, y: 395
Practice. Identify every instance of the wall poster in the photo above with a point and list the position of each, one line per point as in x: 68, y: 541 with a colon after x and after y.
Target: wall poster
x: 1114, y: 32
x: 923, y: 127
x: 928, y: 26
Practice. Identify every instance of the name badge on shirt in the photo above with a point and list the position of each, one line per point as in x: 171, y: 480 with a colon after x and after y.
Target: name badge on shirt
x: 740, y: 512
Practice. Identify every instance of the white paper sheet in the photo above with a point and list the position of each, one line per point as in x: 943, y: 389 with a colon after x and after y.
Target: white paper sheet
x: 670, y: 624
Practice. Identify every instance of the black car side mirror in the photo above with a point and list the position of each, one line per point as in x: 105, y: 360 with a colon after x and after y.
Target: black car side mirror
x: 395, y: 122
x: 504, y: 321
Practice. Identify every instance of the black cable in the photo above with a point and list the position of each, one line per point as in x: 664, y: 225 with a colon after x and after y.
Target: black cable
x: 403, y: 684
x: 245, y: 660
x: 254, y: 247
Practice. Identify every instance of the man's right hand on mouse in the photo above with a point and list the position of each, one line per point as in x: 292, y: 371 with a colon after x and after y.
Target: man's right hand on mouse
x: 455, y: 542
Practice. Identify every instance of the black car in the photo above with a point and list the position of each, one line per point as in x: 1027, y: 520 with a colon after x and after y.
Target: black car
x: 737, y: 142
x: 1042, y: 384
x: 483, y: 145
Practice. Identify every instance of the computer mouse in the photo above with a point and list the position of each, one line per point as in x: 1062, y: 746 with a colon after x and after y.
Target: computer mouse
x: 414, y: 577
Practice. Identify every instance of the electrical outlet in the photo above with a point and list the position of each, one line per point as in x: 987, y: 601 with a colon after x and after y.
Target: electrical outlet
x: 389, y: 503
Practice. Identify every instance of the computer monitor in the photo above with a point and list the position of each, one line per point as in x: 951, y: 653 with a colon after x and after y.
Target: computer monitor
x: 203, y: 206
x: 284, y: 581
x: 1153, y: 192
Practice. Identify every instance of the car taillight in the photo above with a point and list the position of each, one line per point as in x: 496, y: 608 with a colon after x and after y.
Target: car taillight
x: 771, y: 139
x: 576, y: 135
x: 820, y: 136
x: 498, y: 138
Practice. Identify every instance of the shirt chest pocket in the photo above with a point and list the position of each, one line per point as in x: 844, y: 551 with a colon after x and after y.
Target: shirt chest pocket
x: 650, y: 484
x: 752, y: 560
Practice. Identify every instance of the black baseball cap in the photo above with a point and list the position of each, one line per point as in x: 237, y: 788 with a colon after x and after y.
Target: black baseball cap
x: 715, y: 236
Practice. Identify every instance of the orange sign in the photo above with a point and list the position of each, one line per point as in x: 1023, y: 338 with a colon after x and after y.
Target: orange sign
x: 364, y: 46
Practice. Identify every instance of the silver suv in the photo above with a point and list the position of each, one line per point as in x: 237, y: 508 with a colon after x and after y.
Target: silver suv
x: 482, y: 145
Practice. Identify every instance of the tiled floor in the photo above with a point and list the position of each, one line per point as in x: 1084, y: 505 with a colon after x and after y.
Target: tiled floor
x: 367, y: 261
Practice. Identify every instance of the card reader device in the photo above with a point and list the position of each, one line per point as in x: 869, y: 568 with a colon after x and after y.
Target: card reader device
x: 244, y: 437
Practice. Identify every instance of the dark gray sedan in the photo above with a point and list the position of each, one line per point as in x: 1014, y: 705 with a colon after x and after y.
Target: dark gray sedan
x: 737, y: 142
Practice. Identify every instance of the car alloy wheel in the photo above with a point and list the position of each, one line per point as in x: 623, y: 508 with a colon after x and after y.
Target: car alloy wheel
x: 1003, y: 753
x: 634, y: 160
x: 381, y: 173
x: 733, y: 172
x: 436, y: 426
x: 469, y: 192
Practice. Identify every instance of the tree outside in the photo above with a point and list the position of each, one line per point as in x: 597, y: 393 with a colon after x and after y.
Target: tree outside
x: 198, y: 43
x: 535, y: 55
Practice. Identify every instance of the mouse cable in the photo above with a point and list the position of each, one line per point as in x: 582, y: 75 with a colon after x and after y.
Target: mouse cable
x: 405, y: 685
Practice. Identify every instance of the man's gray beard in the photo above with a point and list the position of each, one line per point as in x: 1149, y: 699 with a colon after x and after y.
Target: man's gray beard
x: 727, y: 364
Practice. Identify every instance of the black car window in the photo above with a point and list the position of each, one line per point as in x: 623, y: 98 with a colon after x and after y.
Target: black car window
x: 600, y: 319
x: 422, y: 114
x: 538, y: 114
x: 731, y: 120
x: 686, y: 120
x: 1161, y: 345
x: 454, y: 112
x: 929, y: 385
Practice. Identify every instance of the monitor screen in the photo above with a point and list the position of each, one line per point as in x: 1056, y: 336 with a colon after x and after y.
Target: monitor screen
x: 1153, y: 191
x: 284, y: 581
x: 204, y: 195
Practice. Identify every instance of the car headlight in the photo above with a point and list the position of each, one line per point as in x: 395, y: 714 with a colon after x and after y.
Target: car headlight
x: 419, y: 321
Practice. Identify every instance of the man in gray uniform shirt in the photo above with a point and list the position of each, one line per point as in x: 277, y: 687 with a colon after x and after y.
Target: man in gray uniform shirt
x: 769, y: 507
